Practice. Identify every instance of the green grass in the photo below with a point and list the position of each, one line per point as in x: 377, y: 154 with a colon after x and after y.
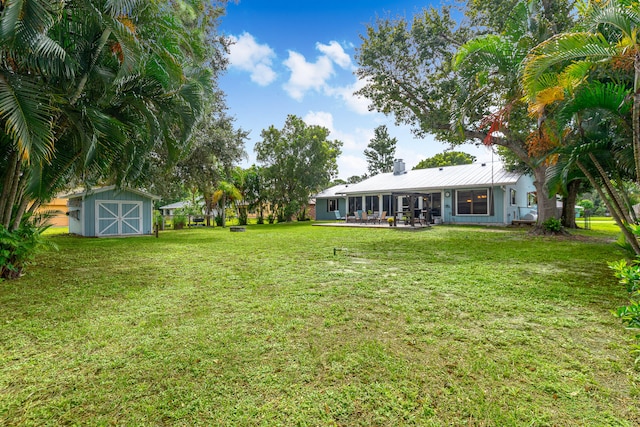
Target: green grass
x: 449, y: 326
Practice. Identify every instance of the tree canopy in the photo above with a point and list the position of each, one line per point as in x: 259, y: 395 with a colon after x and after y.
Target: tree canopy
x: 89, y: 88
x: 448, y: 158
x: 459, y: 80
x: 381, y: 151
x: 298, y: 160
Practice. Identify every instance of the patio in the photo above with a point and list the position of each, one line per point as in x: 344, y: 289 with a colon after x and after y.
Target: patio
x: 399, y: 226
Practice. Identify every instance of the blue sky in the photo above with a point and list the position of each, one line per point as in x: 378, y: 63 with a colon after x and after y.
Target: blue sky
x: 297, y: 57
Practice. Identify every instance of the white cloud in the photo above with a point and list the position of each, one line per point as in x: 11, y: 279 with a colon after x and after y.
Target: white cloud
x: 357, y: 140
x: 336, y: 53
x: 357, y: 104
x: 305, y: 75
x: 247, y: 55
x: 350, y: 165
x: 320, y: 118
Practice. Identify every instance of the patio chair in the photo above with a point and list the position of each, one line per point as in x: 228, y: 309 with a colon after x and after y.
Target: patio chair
x: 338, y: 217
x: 364, y: 217
x: 382, y: 217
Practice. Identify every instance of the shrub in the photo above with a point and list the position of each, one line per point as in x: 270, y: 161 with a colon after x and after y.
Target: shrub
x: 179, y: 219
x: 553, y: 225
x: 19, y: 247
x: 629, y: 276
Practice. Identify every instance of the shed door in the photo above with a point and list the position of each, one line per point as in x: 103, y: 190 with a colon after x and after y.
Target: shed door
x: 114, y: 218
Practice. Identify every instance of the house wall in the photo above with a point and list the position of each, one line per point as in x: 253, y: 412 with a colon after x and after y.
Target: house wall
x: 523, y: 187
x: 88, y: 210
x: 450, y: 216
x: 504, y: 210
x: 321, y: 209
x: 57, y: 208
x: 75, y: 208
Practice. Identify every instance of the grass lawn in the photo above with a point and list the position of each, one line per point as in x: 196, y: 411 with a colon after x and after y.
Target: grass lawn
x: 453, y: 326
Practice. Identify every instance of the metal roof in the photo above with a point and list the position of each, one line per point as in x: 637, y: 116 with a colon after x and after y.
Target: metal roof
x: 331, y: 192
x: 176, y: 205
x: 96, y: 190
x: 422, y: 180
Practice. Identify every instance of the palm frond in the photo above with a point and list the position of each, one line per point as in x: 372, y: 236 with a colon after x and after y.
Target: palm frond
x: 491, y: 51
x: 116, y: 8
x: 610, y: 97
x: 616, y: 15
x: 25, y: 110
x: 564, y: 48
x: 574, y: 74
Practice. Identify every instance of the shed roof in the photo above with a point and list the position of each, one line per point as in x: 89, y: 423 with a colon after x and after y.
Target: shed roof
x: 420, y: 180
x: 97, y: 190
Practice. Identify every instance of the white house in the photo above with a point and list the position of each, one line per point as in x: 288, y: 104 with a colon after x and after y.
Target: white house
x: 479, y: 193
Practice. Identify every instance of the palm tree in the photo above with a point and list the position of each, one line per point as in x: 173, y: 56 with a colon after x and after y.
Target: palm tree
x: 558, y: 66
x: 226, y: 192
x: 88, y: 89
x: 593, y: 124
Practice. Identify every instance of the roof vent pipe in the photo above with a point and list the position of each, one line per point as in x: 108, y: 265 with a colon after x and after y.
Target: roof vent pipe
x: 398, y: 167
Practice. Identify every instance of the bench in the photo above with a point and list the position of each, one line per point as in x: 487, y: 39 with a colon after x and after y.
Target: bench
x: 522, y: 222
x: 197, y: 221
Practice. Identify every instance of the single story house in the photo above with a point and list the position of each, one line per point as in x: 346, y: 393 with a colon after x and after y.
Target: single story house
x: 479, y: 193
x: 170, y: 209
x: 330, y: 200
x: 109, y: 211
x: 55, y: 209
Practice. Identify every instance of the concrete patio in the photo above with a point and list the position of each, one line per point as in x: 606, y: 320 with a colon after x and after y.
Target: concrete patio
x: 372, y: 225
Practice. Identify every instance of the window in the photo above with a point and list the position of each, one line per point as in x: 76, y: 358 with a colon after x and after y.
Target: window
x: 512, y: 193
x: 433, y: 202
x: 405, y: 204
x: 332, y: 205
x: 371, y: 203
x: 355, y: 204
x: 532, y: 199
x: 472, y: 202
x: 387, y: 204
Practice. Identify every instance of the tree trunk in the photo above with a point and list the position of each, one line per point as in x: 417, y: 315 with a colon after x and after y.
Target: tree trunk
x: 629, y: 236
x: 208, y: 206
x: 7, y: 184
x: 224, y: 211
x: 83, y: 81
x: 14, y: 185
x: 546, y: 203
x: 568, y: 216
x: 611, y: 190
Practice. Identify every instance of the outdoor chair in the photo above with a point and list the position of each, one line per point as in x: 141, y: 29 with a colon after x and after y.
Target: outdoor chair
x: 382, y: 217
x: 364, y: 217
x: 338, y: 217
